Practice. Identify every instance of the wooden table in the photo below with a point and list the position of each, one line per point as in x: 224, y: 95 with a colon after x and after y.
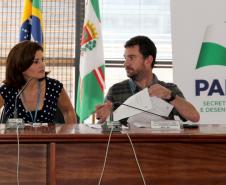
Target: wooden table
x: 74, y: 155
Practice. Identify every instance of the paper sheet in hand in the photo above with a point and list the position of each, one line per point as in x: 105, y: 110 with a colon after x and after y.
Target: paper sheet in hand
x: 140, y: 100
x: 143, y: 101
x: 159, y: 107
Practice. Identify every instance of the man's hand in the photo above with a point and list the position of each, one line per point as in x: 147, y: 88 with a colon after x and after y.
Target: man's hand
x: 103, y: 111
x: 185, y: 108
x: 159, y: 91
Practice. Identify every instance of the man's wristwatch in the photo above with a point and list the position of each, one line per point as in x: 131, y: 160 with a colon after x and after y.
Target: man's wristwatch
x: 172, y: 96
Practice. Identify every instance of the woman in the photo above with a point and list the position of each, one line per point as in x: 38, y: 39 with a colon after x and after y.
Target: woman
x: 27, y: 86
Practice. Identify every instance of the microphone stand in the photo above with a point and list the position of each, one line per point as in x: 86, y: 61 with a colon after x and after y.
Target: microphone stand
x: 111, y: 125
x: 16, y: 122
x: 15, y: 114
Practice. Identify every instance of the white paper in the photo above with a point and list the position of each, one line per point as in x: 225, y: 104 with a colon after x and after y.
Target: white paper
x: 160, y: 107
x: 91, y: 125
x: 144, y: 119
x: 166, y: 124
x: 140, y: 100
x: 144, y: 102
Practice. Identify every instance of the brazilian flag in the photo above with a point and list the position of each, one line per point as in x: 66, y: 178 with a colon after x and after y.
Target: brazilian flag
x: 32, y: 23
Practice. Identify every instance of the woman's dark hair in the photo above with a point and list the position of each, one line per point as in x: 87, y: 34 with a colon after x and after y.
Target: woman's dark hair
x: 20, y: 58
x: 146, y: 46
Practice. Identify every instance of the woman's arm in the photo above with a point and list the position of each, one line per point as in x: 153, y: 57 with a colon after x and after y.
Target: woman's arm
x: 1, y: 101
x: 66, y: 107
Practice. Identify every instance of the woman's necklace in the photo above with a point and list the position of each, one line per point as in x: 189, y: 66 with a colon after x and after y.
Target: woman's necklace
x: 34, y: 118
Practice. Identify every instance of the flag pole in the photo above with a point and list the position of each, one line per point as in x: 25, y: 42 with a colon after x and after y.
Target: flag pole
x: 90, y: 89
x: 93, y: 118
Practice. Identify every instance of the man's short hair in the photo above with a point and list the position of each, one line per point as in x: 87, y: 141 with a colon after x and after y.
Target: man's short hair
x: 146, y: 46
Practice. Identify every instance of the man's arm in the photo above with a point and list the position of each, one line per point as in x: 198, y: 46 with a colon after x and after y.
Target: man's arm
x: 103, y: 111
x: 183, y: 107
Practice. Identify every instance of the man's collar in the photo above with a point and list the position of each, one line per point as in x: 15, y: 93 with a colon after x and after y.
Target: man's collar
x: 154, y: 80
x: 134, y: 86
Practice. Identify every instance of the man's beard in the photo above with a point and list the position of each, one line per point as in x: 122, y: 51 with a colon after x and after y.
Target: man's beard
x: 133, y: 75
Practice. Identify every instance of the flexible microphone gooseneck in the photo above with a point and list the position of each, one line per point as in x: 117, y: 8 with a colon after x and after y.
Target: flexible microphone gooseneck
x: 15, y: 113
x: 184, y: 125
x: 117, y: 104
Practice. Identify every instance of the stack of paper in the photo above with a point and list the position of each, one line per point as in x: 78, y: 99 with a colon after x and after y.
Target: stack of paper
x: 141, y: 107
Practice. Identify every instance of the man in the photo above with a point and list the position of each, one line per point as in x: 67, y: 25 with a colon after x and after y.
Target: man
x: 140, y: 54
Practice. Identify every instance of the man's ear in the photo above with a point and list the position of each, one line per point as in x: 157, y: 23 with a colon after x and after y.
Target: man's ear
x: 149, y: 60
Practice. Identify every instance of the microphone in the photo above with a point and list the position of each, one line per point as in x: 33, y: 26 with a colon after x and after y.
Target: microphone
x: 16, y: 122
x: 111, y: 125
x: 15, y: 113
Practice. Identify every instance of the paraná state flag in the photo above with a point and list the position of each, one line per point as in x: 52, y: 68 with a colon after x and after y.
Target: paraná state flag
x: 92, y: 81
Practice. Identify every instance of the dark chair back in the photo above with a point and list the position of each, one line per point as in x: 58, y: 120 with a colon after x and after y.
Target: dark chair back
x: 3, y: 118
x: 58, y: 117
